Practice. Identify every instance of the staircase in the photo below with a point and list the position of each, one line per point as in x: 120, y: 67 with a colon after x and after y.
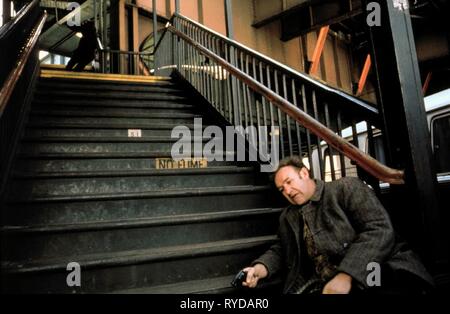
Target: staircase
x: 83, y: 191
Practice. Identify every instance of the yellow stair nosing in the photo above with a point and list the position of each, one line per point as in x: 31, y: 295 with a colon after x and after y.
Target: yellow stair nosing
x: 100, y: 76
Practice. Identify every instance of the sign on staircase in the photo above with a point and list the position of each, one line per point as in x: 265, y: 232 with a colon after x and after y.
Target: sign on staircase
x: 169, y: 163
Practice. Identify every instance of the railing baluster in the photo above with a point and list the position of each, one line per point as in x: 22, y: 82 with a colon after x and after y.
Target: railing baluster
x: 288, y: 121
x: 308, y: 135
x: 355, y: 139
x: 280, y: 120
x: 330, y: 149
x: 297, y: 127
x: 229, y: 84
x: 261, y: 74
x: 244, y: 92
x: 341, y: 156
x: 319, y: 148
x: 257, y: 103
x: 251, y: 98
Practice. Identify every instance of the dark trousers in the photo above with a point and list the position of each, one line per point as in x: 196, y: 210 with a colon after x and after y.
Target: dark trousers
x: 79, y: 61
x: 397, y: 282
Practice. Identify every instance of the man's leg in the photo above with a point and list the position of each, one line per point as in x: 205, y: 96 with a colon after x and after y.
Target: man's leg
x: 72, y: 62
x: 82, y: 64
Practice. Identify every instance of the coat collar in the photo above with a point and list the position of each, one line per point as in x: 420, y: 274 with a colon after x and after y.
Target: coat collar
x: 319, y: 189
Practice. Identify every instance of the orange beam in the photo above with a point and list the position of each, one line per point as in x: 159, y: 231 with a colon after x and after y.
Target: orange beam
x: 364, y: 74
x: 427, y: 82
x: 318, y: 49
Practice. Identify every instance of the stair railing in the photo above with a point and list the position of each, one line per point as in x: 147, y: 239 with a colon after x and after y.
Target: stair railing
x: 250, y: 89
x: 19, y: 69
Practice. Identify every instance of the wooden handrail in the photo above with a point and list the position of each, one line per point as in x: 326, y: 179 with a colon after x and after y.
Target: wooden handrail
x: 285, y: 69
x: 366, y: 162
x: 16, y: 72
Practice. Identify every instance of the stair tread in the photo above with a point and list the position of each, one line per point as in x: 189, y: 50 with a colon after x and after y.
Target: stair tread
x: 146, y: 194
x: 138, y: 256
x: 118, y: 104
x: 122, y: 95
x: 140, y: 222
x: 100, y: 125
x: 152, y: 154
x: 96, y: 139
x: 107, y: 86
x: 203, y: 286
x: 133, y: 173
x: 215, y: 285
x: 106, y: 114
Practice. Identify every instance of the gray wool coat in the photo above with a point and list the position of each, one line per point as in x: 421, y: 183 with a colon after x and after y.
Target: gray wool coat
x: 350, y: 225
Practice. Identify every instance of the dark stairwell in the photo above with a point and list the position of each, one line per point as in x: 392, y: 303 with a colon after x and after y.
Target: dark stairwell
x: 82, y: 191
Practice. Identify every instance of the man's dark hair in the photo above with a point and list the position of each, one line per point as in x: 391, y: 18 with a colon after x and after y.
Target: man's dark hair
x: 294, y: 161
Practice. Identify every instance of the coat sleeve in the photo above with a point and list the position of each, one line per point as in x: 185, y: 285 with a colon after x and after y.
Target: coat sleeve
x: 375, y: 238
x: 271, y: 259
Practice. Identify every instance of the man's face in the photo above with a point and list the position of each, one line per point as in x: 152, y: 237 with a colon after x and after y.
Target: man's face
x: 295, y: 184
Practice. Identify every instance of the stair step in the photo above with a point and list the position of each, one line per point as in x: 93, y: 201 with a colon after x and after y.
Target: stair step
x: 87, y: 149
x: 67, y: 210
x: 37, y: 133
x: 42, y: 95
x: 136, y: 269
x: 131, y: 173
x: 94, y: 155
x: 131, y: 122
x: 140, y: 222
x: 67, y: 166
x: 93, y: 185
x: 51, y: 85
x: 215, y: 285
x: 54, y: 104
x: 137, y: 195
x: 39, y: 138
x: 115, y: 113
x: 80, y: 81
x: 82, y: 124
x: 71, y: 240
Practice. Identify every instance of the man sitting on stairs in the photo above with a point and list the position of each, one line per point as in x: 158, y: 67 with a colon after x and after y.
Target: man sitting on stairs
x: 334, y: 238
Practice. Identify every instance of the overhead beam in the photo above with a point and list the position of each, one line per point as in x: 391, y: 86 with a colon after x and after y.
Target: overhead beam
x: 364, y: 74
x: 319, y: 49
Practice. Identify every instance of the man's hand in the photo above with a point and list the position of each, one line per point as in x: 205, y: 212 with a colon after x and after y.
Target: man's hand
x: 255, y: 273
x: 340, y: 284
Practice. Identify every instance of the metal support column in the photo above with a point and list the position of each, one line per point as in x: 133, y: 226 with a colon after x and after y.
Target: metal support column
x: 6, y: 11
x: 155, y: 23
x: 229, y: 19
x: 401, y: 105
x: 177, y: 6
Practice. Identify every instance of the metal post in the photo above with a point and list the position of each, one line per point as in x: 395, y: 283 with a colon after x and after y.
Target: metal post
x: 177, y: 6
x: 6, y: 11
x: 95, y: 14
x: 155, y: 24
x: 229, y: 19
x: 401, y: 105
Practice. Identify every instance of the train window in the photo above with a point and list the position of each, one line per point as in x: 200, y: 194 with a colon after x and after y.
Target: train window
x: 441, y: 143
